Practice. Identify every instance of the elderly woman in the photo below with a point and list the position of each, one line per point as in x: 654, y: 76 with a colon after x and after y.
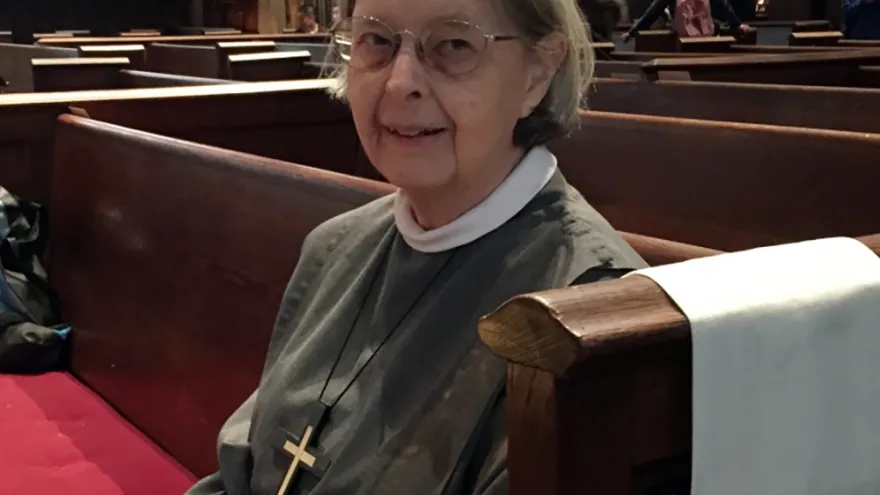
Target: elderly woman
x: 375, y: 381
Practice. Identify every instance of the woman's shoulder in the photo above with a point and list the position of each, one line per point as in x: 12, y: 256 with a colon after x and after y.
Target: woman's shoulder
x: 351, y: 226
x: 569, y: 223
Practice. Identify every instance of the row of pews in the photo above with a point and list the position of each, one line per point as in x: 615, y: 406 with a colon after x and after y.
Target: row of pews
x: 177, y: 216
x: 80, y: 63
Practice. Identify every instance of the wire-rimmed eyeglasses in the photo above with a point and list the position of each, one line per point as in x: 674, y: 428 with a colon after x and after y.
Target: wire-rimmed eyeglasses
x: 451, y: 47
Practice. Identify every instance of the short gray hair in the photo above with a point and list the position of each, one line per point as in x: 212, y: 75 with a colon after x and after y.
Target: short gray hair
x: 535, y: 21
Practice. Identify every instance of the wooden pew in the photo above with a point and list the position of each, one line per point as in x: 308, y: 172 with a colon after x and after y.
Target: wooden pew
x: 287, y: 120
x: 15, y: 64
x: 201, y: 30
x: 81, y: 74
x: 173, y: 313
x: 869, y: 76
x: 74, y: 74
x: 648, y: 56
x: 845, y: 109
x: 136, y: 54
x: 650, y: 40
x: 145, y: 79
x: 600, y: 384
x: 207, y: 39
x: 815, y: 38
x: 619, y: 69
x: 140, y: 32
x: 832, y: 68
x: 185, y: 60
x: 810, y: 26
x: 237, y: 61
x: 268, y: 66
x: 785, y: 49
x: 705, y: 44
x: 167, y: 370
x: 723, y: 185
x: 241, y: 47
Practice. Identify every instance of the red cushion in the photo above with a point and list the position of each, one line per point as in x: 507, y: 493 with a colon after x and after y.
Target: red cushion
x: 57, y: 436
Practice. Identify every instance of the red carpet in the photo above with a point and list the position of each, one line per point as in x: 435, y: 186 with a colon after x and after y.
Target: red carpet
x: 58, y: 437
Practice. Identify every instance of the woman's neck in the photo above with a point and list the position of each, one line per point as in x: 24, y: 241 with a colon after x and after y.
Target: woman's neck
x: 433, y: 208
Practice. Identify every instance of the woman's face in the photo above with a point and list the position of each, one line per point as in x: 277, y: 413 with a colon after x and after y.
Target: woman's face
x: 423, y: 128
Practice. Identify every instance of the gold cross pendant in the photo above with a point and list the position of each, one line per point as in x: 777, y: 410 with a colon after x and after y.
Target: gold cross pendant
x: 298, y: 448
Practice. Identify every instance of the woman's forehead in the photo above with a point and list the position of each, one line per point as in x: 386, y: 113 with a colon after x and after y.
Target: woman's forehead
x: 412, y: 14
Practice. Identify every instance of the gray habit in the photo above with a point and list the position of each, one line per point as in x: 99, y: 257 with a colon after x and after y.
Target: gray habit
x: 425, y: 416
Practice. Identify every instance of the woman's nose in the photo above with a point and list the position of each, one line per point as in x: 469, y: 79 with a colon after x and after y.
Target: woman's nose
x: 407, y: 75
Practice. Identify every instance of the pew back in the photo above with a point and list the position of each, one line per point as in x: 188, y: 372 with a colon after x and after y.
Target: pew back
x: 293, y: 121
x: 830, y: 68
x: 185, y: 60
x: 846, y: 109
x: 15, y: 64
x: 136, y: 54
x: 171, y: 259
x: 75, y: 74
x: 268, y: 66
x: 723, y: 185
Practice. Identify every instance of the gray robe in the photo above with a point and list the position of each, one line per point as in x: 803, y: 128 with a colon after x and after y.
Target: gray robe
x: 426, y: 414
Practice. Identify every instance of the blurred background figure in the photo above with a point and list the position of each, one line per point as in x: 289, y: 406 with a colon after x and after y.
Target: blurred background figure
x: 861, y: 19
x: 689, y: 17
x: 307, y: 21
x: 336, y: 15
x: 603, y: 16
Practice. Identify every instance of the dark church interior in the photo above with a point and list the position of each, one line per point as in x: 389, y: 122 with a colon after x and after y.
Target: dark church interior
x: 402, y: 247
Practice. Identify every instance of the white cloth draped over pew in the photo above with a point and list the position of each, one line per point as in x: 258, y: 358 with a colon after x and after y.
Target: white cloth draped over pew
x: 785, y: 367
x: 744, y: 373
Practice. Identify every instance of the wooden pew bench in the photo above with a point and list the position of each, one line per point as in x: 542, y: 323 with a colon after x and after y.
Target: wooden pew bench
x: 723, y: 185
x: 92, y: 73
x: 845, y: 109
x: 161, y: 297
x: 131, y: 79
x: 15, y: 64
x: 75, y: 74
x: 167, y: 368
x: 815, y: 38
x: 136, y: 54
x: 811, y: 26
x: 205, y: 39
x: 293, y: 121
x: 241, y: 61
x: 656, y: 40
x: 269, y: 66
x: 831, y: 68
x: 706, y: 44
x: 186, y: 60
x: 869, y: 76
x: 600, y: 384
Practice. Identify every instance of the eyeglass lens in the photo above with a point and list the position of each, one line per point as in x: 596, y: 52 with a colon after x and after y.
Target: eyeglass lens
x: 450, y: 47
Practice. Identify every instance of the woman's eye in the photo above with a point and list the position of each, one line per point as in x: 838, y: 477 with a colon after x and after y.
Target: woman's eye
x: 454, y: 45
x: 374, y: 39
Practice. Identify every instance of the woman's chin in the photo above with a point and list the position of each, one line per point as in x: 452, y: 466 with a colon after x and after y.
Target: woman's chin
x: 422, y: 173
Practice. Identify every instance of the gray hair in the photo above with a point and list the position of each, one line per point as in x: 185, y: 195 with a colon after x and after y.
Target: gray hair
x: 535, y: 21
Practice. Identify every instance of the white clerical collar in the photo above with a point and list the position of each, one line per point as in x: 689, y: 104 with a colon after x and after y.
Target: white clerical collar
x: 509, y: 198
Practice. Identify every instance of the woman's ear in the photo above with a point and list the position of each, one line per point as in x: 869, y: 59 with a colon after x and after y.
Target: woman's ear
x: 543, y: 66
